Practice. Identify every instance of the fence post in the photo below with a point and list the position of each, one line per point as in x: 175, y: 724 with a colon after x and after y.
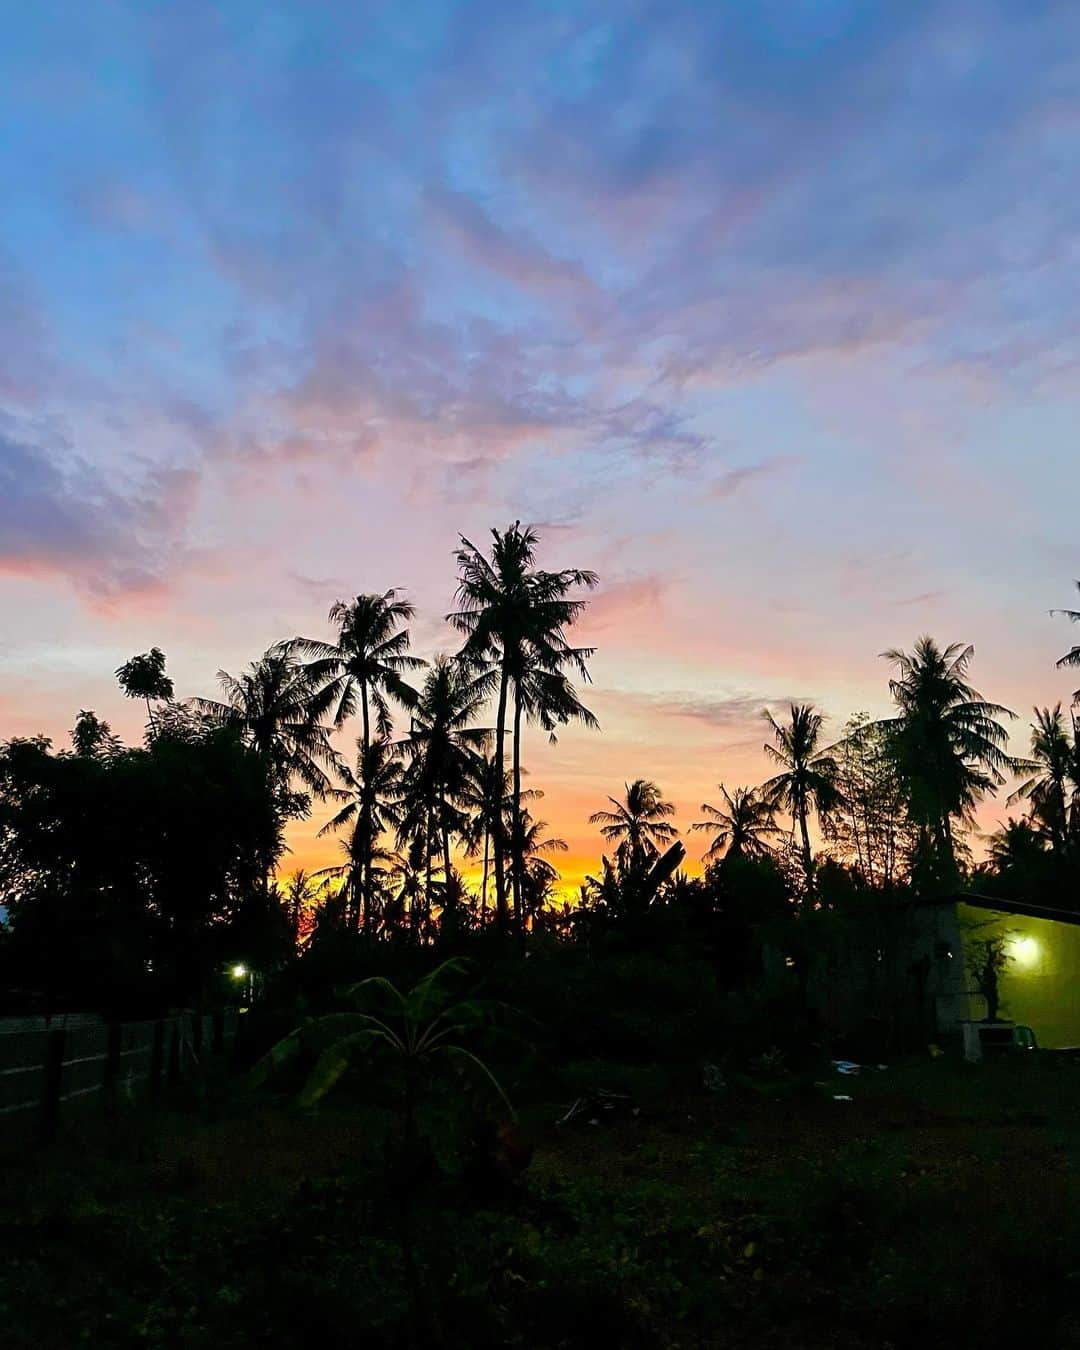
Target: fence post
x: 53, y: 1078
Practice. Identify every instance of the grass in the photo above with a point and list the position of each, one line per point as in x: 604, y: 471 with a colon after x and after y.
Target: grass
x: 940, y: 1206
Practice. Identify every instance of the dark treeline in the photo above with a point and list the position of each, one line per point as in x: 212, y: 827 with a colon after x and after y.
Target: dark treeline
x: 134, y: 876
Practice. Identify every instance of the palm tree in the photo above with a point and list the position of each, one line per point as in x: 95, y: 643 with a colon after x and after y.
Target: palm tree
x: 144, y: 677
x: 1048, y: 788
x: 627, y: 889
x: 539, y: 873
x: 638, y: 826
x: 739, y: 826
x: 440, y: 746
x: 373, y: 806
x: 363, y: 671
x: 1015, y: 846
x: 279, y: 711
x: 808, y: 778
x: 482, y: 795
x: 276, y: 710
x: 514, y: 617
x: 950, y: 748
x: 550, y: 700
x: 1071, y: 657
x: 408, y: 876
x: 299, y: 899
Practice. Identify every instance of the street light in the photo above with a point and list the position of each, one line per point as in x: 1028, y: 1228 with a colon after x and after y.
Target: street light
x: 242, y: 975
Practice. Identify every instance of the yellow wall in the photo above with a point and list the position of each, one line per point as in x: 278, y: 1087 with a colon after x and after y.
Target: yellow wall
x: 1040, y: 987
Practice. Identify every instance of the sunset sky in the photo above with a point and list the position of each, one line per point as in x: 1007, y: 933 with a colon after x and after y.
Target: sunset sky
x: 766, y: 312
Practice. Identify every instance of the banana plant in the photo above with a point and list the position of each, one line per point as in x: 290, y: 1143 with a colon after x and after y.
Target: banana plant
x: 420, y: 1028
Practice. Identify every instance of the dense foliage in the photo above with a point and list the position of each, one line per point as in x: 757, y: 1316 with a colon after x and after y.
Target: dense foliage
x: 131, y: 872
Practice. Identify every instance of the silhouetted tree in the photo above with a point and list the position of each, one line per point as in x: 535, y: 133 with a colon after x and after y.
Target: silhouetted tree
x: 514, y: 617
x: 639, y: 826
x: 868, y: 826
x: 92, y: 738
x: 1071, y: 657
x: 540, y: 873
x: 279, y: 710
x: 127, y: 873
x: 441, y: 742
x: 299, y: 897
x: 807, y: 781
x: 949, y: 746
x: 739, y: 827
x: 363, y: 672
x: 482, y: 796
x: 144, y: 677
x: 1049, y: 788
x: 548, y: 699
x: 373, y: 804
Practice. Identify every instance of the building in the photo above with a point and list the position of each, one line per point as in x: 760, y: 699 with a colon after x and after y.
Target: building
x: 1040, y: 985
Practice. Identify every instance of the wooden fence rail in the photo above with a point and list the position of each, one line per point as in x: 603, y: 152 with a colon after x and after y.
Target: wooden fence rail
x: 49, y: 1071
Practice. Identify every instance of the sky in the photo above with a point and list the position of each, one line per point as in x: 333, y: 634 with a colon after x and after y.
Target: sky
x: 767, y: 313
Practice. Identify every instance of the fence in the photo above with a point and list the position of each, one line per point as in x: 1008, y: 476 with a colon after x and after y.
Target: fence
x: 50, y: 1070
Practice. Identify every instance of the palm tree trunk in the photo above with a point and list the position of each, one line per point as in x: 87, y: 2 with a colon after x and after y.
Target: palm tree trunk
x: 484, y: 883
x: 498, y: 844
x: 515, y: 842
x: 808, y: 856
x: 445, y: 848
x: 365, y: 809
x: 948, y: 851
x: 427, y: 866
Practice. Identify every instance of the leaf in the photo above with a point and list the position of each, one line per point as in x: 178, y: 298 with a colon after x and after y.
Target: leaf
x: 332, y: 1066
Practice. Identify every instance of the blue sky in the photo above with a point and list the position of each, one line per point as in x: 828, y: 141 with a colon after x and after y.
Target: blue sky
x: 766, y: 312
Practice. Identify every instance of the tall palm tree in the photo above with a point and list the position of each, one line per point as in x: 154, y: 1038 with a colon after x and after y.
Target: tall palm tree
x: 548, y: 699
x: 807, y: 781
x: 1049, y: 787
x: 373, y: 805
x: 363, y: 671
x: 441, y: 743
x: 280, y: 711
x: 482, y: 795
x: 514, y: 617
x: 638, y: 826
x: 949, y: 745
x: 739, y: 826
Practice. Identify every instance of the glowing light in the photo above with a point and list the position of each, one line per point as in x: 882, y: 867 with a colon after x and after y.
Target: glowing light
x: 1024, y: 951
x: 239, y: 972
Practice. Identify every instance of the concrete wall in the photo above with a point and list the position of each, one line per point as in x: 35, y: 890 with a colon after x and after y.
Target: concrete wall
x: 1040, y: 987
